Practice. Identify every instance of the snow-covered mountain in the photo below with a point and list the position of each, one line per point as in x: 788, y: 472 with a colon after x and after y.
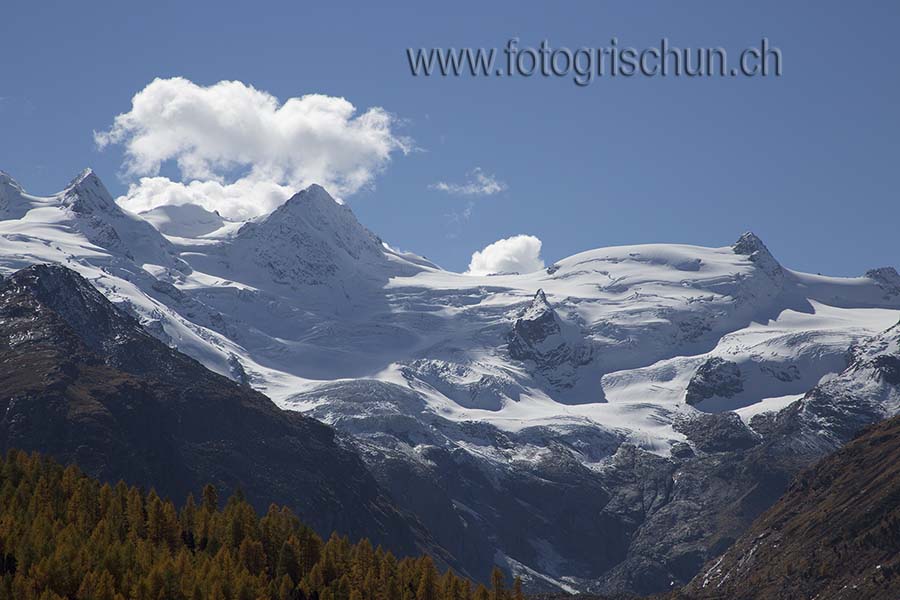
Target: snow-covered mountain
x: 501, y: 409
x: 843, y: 502
x: 84, y: 383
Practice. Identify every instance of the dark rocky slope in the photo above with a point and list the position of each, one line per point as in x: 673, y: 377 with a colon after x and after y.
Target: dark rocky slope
x: 82, y: 381
x: 834, y: 535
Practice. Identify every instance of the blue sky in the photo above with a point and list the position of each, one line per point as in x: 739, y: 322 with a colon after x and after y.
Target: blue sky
x: 807, y: 161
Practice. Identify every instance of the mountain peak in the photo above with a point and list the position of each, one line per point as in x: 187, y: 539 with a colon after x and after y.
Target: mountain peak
x: 68, y: 294
x: 86, y: 194
x: 37, y: 274
x: 310, y: 201
x: 102, y: 328
x: 49, y: 289
x: 887, y: 279
x: 86, y: 175
x: 540, y: 299
x: 315, y: 189
x: 750, y: 245
x: 535, y: 324
x: 10, y: 193
x: 308, y: 237
x: 538, y: 308
x: 109, y: 226
x: 7, y: 180
x: 314, y: 208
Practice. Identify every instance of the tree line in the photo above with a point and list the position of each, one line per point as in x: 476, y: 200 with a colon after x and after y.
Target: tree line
x: 66, y: 536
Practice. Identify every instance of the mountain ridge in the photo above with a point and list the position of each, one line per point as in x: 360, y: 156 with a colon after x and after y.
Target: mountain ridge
x: 421, y: 369
x: 85, y: 383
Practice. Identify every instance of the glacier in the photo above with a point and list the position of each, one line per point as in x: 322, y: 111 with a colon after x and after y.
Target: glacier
x: 480, y: 398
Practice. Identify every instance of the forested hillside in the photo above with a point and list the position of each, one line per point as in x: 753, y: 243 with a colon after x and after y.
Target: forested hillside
x: 65, y: 535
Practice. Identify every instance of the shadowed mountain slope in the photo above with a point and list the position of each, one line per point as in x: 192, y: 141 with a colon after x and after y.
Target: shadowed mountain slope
x: 82, y: 381
x: 834, y: 534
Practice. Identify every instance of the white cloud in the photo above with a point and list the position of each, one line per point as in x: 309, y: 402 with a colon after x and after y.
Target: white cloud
x: 516, y: 254
x: 478, y: 183
x: 242, y: 152
x: 461, y: 217
x: 243, y: 199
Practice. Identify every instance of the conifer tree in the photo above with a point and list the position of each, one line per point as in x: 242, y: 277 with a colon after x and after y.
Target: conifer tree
x: 498, y: 590
x: 64, y: 536
x: 289, y: 561
x: 518, y: 594
x: 210, y: 498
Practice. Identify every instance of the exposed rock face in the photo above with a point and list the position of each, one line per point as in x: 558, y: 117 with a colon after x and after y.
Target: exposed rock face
x: 834, y: 534
x: 879, y: 358
x: 888, y: 279
x: 518, y: 494
x: 536, y: 330
x: 716, y: 377
x: 538, y: 335
x: 735, y: 475
x: 767, y: 282
x: 704, y: 497
x: 750, y: 245
x: 831, y: 414
x: 651, y: 521
x: 81, y: 381
x: 720, y: 432
x: 236, y: 370
x: 887, y: 368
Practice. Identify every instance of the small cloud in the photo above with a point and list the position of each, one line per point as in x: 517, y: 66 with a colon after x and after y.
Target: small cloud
x: 478, y: 183
x: 462, y: 217
x: 516, y: 254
